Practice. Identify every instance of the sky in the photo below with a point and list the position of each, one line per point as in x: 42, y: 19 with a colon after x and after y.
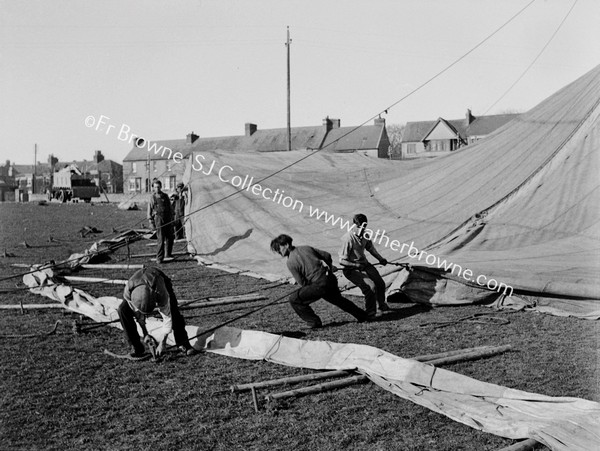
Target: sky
x: 162, y: 69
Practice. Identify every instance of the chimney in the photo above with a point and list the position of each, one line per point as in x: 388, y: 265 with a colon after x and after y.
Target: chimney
x: 469, y: 118
x: 250, y: 129
x: 335, y: 123
x: 328, y: 124
x: 379, y: 121
x: 98, y: 157
x: 191, y: 138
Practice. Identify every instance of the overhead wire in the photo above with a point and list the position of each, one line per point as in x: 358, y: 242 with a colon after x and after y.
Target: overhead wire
x: 384, y: 111
x: 534, y: 60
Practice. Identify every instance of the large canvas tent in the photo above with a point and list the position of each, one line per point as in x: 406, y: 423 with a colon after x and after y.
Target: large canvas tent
x: 520, y: 207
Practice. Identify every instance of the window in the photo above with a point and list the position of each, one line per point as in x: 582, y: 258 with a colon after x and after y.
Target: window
x: 438, y: 145
x: 169, y: 165
x: 154, y: 166
x: 169, y: 182
x: 135, y: 184
x: 134, y: 167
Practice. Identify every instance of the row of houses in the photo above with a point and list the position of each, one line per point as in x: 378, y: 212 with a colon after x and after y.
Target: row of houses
x: 37, y: 179
x: 141, y: 165
x: 420, y: 139
x: 147, y: 161
x: 438, y: 137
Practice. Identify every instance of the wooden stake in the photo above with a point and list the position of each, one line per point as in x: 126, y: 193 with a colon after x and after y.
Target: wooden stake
x: 254, y: 399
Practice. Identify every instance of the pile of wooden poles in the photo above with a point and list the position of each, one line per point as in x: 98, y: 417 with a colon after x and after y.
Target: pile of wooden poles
x: 352, y: 378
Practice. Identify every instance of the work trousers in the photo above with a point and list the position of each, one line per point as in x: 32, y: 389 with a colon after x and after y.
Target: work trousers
x: 371, y: 284
x: 127, y: 317
x: 165, y: 238
x: 327, y: 289
x: 178, y: 226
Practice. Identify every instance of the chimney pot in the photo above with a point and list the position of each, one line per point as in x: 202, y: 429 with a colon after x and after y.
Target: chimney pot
x: 191, y: 138
x: 250, y: 128
x: 469, y: 118
x: 327, y: 123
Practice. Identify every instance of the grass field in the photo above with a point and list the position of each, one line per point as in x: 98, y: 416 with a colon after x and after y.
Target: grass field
x: 61, y: 392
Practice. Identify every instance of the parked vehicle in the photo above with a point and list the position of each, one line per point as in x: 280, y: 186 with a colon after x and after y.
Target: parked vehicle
x: 70, y: 183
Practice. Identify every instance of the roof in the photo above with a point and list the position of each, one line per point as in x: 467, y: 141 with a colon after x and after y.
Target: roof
x: 157, y: 148
x: 89, y: 166
x: 29, y: 168
x: 483, y: 125
x: 84, y: 166
x: 348, y: 139
x: 268, y: 140
x: 443, y: 121
x: 341, y: 139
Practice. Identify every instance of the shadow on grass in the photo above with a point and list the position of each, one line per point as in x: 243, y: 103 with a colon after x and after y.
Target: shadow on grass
x: 290, y: 333
x: 339, y: 323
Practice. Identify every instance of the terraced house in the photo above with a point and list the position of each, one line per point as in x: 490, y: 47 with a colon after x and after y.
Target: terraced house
x: 166, y: 160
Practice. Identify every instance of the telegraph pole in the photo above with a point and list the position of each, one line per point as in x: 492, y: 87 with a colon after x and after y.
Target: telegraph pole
x: 34, y: 169
x: 289, y: 120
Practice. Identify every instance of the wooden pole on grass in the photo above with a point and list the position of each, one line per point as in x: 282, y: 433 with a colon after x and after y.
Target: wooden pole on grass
x: 336, y: 373
x: 454, y: 357
x: 526, y: 445
x: 96, y: 279
x: 325, y: 386
x: 111, y: 266
x: 174, y: 254
x: 472, y: 355
x: 23, y: 307
x: 441, y: 355
x: 289, y: 380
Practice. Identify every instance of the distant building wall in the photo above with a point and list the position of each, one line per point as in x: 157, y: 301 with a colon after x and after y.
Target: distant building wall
x: 138, y: 177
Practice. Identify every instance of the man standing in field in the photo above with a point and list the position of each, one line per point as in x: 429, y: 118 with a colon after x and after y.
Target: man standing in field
x: 313, y: 271
x: 358, y: 270
x: 161, y: 219
x: 178, y: 204
x: 149, y: 289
